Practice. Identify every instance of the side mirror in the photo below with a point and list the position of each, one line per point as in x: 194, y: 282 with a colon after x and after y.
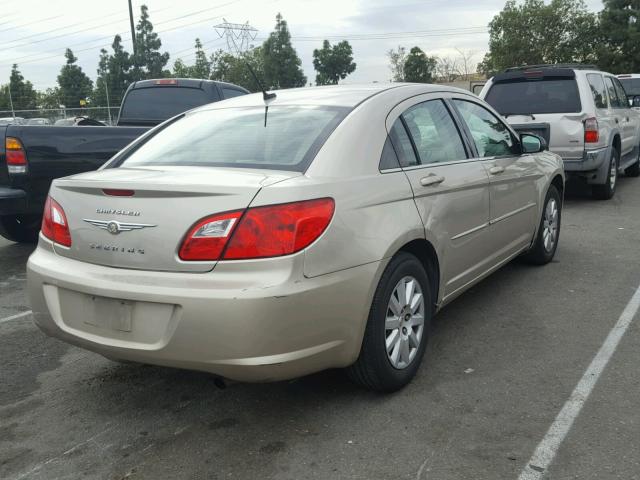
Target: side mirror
x: 532, y: 143
x: 635, y: 101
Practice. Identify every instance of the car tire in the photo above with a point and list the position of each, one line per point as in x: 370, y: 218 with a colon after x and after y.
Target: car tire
x: 20, y: 228
x: 383, y: 369
x: 546, y: 243
x: 608, y: 189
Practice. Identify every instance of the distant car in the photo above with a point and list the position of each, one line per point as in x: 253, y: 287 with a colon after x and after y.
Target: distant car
x: 78, y: 122
x: 11, y: 121
x: 38, y: 121
x: 631, y: 84
x: 582, y: 112
x: 324, y: 233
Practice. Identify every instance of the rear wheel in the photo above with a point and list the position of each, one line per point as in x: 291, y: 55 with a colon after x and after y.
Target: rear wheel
x: 20, y: 228
x: 546, y: 242
x: 397, y: 329
x: 606, y: 191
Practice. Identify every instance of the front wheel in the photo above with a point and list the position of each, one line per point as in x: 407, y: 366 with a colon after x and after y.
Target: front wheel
x: 20, y: 228
x: 608, y: 190
x: 397, y: 329
x: 546, y: 242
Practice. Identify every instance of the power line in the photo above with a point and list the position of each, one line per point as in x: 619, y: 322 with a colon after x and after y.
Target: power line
x: 30, y: 23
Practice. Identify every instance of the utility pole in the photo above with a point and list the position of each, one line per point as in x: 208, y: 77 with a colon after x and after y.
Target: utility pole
x: 133, y: 30
x: 106, y: 91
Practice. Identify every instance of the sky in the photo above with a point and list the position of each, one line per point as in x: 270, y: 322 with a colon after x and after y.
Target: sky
x: 35, y: 33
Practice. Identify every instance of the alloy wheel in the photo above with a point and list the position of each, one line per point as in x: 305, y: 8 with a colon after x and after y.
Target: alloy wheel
x: 550, y: 225
x: 404, y: 323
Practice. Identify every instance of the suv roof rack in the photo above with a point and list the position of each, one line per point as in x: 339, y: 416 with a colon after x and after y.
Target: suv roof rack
x: 575, y: 66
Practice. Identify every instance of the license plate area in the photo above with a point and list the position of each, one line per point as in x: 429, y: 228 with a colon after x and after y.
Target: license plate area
x: 108, y: 313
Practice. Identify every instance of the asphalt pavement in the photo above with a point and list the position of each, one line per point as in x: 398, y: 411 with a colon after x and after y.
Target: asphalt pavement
x: 503, y: 361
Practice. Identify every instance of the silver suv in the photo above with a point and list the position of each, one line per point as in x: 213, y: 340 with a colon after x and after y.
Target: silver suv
x: 583, y: 114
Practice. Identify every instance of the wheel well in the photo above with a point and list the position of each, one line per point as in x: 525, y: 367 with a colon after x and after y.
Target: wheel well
x: 616, y: 143
x: 425, y: 252
x: 559, y: 184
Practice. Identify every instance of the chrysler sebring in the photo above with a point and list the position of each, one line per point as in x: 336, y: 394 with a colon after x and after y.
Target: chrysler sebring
x: 324, y: 231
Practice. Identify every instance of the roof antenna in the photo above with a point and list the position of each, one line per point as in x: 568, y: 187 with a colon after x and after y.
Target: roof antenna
x: 238, y: 38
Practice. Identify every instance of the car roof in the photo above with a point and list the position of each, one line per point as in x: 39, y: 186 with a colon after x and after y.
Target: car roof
x: 349, y: 95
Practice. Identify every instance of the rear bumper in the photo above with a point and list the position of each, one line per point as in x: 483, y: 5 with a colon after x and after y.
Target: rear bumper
x: 13, y: 201
x: 263, y: 323
x: 593, y: 166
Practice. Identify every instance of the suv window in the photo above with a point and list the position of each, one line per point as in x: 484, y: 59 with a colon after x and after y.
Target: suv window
x: 596, y: 84
x: 622, y: 94
x: 517, y: 97
x: 613, y: 95
x: 631, y: 85
x: 402, y: 143
x: 231, y: 92
x: 491, y: 136
x: 434, y: 133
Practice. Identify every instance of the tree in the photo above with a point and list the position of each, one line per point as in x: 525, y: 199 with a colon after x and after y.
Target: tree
x: 201, y: 69
x: 282, y: 66
x: 50, y: 98
x: 228, y: 68
x: 619, y: 50
x: 114, y: 75
x: 535, y: 33
x: 148, y: 62
x: 333, y: 63
x: 447, y: 69
x: 73, y: 83
x: 23, y: 96
x: 418, y: 67
x: 396, y: 63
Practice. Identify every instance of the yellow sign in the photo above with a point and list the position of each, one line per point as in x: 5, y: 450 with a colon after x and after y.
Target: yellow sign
x: 83, y: 102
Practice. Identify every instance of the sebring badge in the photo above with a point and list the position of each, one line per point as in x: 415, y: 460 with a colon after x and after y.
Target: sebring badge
x: 114, y: 227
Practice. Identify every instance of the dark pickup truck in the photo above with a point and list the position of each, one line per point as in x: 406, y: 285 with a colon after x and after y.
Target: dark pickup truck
x: 32, y: 156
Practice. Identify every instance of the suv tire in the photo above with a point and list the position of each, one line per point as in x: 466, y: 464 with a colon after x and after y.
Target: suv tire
x: 20, y: 229
x: 374, y: 369
x: 608, y: 190
x: 546, y: 242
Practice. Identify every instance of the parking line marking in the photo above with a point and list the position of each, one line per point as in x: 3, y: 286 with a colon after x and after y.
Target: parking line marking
x: 550, y: 444
x: 16, y: 316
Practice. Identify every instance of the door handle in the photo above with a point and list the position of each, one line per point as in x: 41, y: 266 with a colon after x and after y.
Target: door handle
x: 430, y: 180
x: 496, y: 170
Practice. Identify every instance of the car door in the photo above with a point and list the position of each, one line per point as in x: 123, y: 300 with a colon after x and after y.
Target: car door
x: 450, y: 189
x: 512, y: 178
x: 621, y: 115
x: 627, y: 119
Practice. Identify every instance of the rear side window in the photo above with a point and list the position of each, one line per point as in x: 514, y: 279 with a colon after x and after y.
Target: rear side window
x: 402, y: 145
x: 613, y: 95
x: 160, y: 103
x: 631, y: 86
x: 622, y: 95
x: 231, y: 92
x: 238, y: 137
x: 491, y: 136
x: 517, y: 97
x: 434, y: 133
x: 596, y: 85
x: 389, y: 159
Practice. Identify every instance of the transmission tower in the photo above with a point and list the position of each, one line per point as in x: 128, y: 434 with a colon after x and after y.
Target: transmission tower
x: 238, y: 35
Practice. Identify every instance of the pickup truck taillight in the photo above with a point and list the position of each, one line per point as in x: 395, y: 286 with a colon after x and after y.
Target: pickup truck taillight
x: 16, y: 156
x: 591, y: 133
x: 259, y: 232
x: 54, y: 223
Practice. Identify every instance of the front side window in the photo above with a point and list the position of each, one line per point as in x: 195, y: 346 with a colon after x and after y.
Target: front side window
x: 491, y: 137
x: 596, y: 85
x: 622, y: 95
x: 613, y: 95
x: 434, y: 133
x: 238, y: 137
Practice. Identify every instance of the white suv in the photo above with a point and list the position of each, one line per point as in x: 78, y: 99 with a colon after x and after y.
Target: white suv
x: 582, y: 113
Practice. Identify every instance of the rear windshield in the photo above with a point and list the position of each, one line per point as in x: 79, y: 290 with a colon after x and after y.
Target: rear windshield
x: 537, y: 96
x: 631, y: 86
x: 238, y: 137
x: 160, y: 103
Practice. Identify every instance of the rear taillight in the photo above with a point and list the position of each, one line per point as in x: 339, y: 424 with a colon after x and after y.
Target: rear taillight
x: 260, y: 232
x: 16, y: 156
x: 54, y: 223
x: 591, y: 133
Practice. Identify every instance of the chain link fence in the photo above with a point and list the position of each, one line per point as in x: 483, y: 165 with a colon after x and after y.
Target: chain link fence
x: 106, y: 115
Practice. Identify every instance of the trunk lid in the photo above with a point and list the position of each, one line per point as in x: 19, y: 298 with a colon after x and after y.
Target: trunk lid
x: 148, y: 228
